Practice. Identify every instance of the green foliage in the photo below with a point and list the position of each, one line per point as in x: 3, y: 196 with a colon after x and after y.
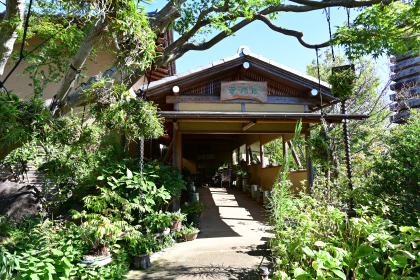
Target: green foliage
x: 189, y: 229
x: 342, y: 83
x: 327, y: 141
x: 53, y: 250
x: 116, y: 109
x: 19, y: 119
x: 157, y: 221
x: 274, y: 150
x: 177, y: 216
x: 397, y: 171
x: 318, y: 242
x: 280, y: 191
x: 194, y: 208
x: 382, y: 30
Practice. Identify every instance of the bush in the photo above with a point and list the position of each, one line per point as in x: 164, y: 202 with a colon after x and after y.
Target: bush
x: 397, y: 180
x: 317, y: 242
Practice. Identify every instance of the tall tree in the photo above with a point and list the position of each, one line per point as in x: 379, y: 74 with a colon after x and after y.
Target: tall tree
x: 368, y: 98
x: 74, y: 30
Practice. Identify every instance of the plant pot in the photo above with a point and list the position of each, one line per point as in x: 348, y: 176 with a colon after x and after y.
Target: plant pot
x: 190, y: 236
x: 97, y: 261
x: 253, y: 162
x: 191, y: 187
x: 255, y: 192
x: 193, y: 219
x: 266, y: 199
x: 239, y: 182
x: 142, y: 261
x: 260, y: 199
x: 193, y: 196
x: 176, y: 226
x: 244, y: 185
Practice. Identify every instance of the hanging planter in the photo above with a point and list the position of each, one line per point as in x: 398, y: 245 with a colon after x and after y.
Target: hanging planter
x: 343, y: 81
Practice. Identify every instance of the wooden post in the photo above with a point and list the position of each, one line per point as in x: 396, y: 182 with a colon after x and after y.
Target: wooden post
x: 351, y: 212
x: 262, y: 161
x: 168, y: 152
x: 176, y: 160
x: 309, y: 167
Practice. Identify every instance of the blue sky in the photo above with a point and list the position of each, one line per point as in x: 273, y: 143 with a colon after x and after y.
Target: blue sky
x: 272, y: 45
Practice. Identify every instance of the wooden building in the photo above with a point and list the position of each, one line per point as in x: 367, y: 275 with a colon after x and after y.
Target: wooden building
x: 239, y: 103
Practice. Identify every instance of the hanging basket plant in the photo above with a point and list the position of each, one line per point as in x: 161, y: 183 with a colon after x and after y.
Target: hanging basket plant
x: 343, y: 80
x: 320, y: 148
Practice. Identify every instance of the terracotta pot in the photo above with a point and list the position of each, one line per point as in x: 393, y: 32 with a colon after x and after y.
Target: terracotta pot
x: 176, y: 226
x: 190, y: 236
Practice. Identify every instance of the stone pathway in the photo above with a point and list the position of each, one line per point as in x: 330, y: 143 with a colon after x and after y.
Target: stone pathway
x: 231, y: 245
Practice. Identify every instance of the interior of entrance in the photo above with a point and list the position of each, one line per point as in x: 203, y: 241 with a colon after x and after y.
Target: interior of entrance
x: 260, y: 154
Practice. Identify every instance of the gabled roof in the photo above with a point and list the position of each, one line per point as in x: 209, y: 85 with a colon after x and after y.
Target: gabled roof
x: 261, y: 66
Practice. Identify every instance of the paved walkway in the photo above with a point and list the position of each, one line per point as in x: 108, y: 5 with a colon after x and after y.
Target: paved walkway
x: 231, y: 244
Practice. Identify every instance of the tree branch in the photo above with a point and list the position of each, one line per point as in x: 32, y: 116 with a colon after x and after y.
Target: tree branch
x: 289, y: 32
x: 341, y: 3
x: 94, y: 35
x: 14, y: 10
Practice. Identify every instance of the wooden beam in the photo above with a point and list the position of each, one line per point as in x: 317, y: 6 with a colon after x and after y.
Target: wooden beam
x: 295, y: 156
x: 244, y: 121
x: 271, y: 99
x: 232, y: 132
x: 168, y: 152
x: 230, y: 137
x: 251, y: 123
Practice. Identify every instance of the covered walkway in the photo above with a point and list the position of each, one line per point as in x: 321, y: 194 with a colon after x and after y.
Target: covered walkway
x: 232, y: 243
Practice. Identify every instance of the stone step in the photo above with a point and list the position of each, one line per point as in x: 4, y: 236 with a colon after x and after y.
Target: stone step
x: 405, y: 95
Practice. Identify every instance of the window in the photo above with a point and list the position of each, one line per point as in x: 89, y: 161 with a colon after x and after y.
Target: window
x: 254, y: 155
x: 273, y: 152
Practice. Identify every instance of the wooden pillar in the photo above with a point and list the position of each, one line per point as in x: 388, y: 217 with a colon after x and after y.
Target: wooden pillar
x: 176, y: 160
x: 309, y: 167
x: 262, y: 162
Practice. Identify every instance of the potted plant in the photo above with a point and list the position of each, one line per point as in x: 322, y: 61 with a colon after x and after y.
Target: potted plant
x: 194, y: 211
x: 255, y: 191
x: 158, y: 222
x: 140, y: 248
x: 245, y: 179
x: 190, y: 232
x: 342, y: 81
x: 177, y: 218
x: 238, y: 172
x: 194, y: 196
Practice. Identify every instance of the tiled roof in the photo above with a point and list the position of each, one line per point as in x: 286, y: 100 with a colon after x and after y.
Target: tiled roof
x: 242, y: 51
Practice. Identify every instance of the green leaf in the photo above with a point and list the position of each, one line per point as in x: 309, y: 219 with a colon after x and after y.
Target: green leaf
x: 320, y: 244
x: 339, y: 273
x: 363, y: 251
x: 308, y: 251
x: 56, y: 252
x: 100, y: 178
x: 129, y: 174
